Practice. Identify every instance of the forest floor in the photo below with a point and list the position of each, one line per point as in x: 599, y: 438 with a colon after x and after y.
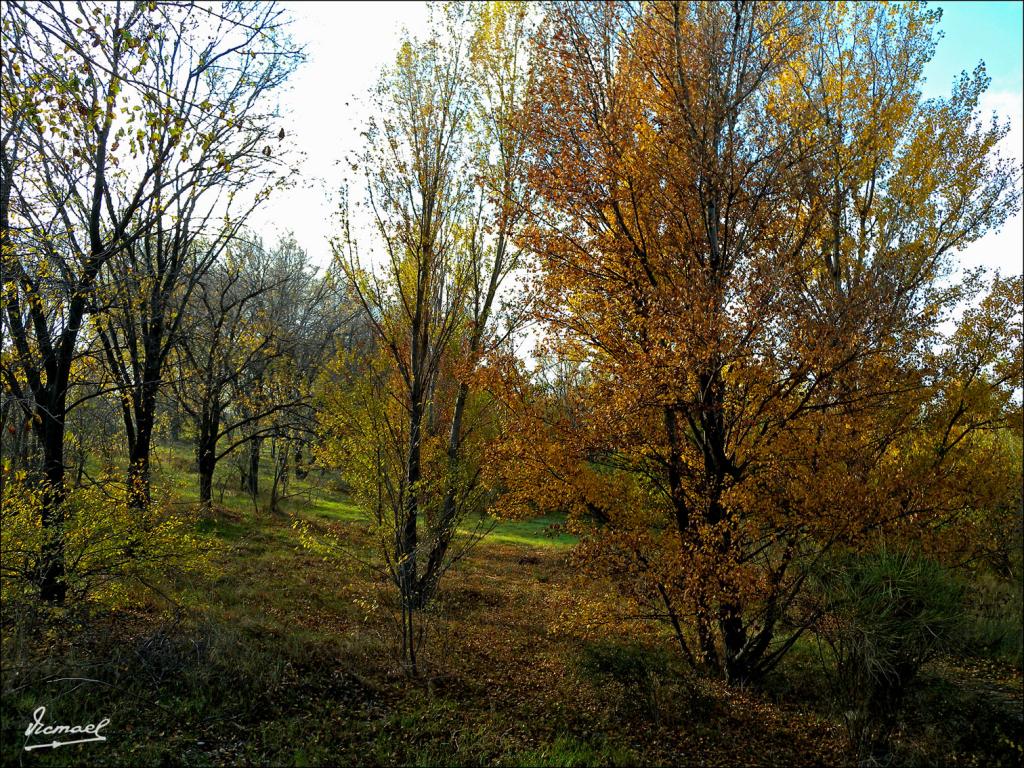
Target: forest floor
x: 276, y: 655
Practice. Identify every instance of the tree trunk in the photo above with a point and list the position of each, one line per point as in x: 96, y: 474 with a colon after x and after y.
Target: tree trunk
x: 734, y: 642
x: 252, y: 474
x: 139, y: 480
x: 52, y: 572
x: 406, y: 538
x: 175, y: 425
x: 139, y: 467
x: 407, y: 533
x: 206, y: 459
x: 738, y: 661
x: 206, y: 483
x: 446, y: 526
x: 705, y: 636
x: 280, y: 477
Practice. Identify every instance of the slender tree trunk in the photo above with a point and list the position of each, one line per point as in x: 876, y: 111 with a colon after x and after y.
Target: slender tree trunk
x: 445, y: 528
x: 175, y: 424
x: 280, y: 477
x: 407, y: 533
x: 24, y: 449
x: 705, y: 636
x: 252, y: 476
x: 676, y: 626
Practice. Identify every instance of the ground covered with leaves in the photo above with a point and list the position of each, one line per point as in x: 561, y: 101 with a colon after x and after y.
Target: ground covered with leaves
x: 274, y: 655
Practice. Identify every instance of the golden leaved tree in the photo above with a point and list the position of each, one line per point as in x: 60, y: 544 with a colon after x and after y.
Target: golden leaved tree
x: 744, y: 217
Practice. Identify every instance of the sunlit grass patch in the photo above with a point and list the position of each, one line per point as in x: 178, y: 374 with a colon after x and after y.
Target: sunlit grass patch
x: 336, y: 509
x: 535, y: 532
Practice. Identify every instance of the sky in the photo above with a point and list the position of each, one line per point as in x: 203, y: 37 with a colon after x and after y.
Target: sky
x: 325, y: 106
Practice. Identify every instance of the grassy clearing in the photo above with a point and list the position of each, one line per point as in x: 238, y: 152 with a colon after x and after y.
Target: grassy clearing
x: 545, y: 531
x: 278, y: 657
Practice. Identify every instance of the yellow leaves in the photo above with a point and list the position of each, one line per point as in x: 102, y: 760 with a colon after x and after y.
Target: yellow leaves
x: 757, y: 363
x: 106, y: 543
x: 405, y: 57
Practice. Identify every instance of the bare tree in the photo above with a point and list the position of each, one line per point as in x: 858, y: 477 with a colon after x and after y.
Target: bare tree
x: 234, y: 351
x: 215, y: 88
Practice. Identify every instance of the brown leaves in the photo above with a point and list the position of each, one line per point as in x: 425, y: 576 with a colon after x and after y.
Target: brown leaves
x: 717, y: 256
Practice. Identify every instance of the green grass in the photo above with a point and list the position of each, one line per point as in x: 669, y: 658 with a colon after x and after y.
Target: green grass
x: 570, y: 751
x: 537, y: 532
x: 252, y: 665
x: 336, y: 509
x: 312, y: 498
x: 223, y: 529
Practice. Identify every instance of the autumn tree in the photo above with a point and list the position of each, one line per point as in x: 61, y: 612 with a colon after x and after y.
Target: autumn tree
x: 443, y: 165
x: 745, y: 217
x: 216, y: 89
x: 127, y: 122
x: 71, y: 196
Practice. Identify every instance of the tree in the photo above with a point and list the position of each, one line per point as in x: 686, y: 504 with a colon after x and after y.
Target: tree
x: 445, y: 201
x: 214, y: 88
x: 122, y: 120
x: 307, y: 312
x: 230, y: 347
x: 744, y: 217
x: 67, y: 205
x: 500, y: 84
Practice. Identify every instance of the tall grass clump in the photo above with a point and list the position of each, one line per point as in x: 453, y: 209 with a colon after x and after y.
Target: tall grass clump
x: 884, y: 615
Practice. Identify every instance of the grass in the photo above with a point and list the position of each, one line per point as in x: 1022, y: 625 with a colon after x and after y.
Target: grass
x: 547, y: 531
x: 335, y: 509
x: 280, y: 657
x: 569, y: 751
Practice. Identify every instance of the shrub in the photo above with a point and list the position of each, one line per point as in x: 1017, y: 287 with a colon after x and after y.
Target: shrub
x: 108, y: 546
x: 885, y: 614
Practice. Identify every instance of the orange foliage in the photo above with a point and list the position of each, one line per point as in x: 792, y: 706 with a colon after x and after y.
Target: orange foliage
x: 746, y: 295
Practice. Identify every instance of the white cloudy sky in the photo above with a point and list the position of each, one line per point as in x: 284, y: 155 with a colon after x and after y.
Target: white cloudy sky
x: 325, y: 106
